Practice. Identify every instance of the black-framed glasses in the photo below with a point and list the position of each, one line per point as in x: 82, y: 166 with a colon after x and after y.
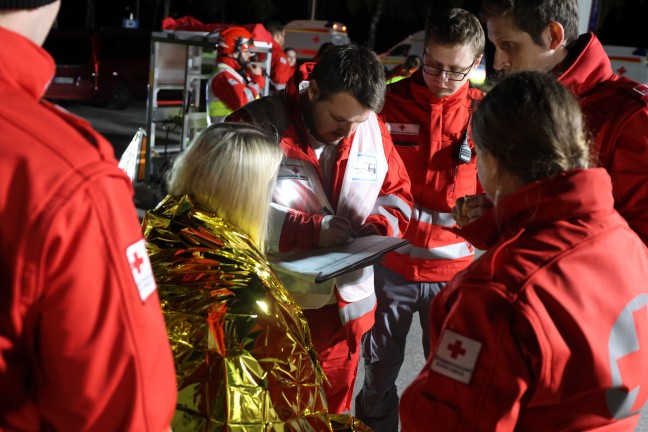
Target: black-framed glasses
x: 450, y: 74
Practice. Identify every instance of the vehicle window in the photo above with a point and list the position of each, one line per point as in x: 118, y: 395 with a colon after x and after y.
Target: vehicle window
x: 68, y: 49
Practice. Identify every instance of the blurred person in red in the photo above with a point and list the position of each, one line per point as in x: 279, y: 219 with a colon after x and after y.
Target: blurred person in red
x: 83, y: 344
x: 547, y: 330
x: 428, y: 116
x: 341, y: 178
x: 280, y: 68
x: 543, y: 35
x: 236, y: 81
x: 404, y: 70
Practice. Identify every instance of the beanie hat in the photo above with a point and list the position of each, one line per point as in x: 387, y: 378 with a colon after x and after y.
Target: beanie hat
x: 24, y: 4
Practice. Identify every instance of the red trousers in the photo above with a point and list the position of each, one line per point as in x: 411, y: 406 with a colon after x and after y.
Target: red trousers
x: 340, y: 366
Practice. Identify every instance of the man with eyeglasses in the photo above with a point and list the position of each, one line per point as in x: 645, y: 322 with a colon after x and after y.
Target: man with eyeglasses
x: 428, y: 115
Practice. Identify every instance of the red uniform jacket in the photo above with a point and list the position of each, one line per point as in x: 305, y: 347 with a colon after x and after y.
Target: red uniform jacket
x: 548, y: 330
x: 230, y: 90
x: 426, y: 132
x: 616, y: 109
x: 280, y: 70
x: 83, y: 344
x: 282, y: 112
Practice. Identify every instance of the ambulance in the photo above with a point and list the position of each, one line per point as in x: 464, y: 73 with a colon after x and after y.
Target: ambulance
x: 306, y: 36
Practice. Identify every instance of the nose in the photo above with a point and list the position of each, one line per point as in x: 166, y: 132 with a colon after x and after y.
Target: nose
x: 347, y: 129
x: 501, y: 60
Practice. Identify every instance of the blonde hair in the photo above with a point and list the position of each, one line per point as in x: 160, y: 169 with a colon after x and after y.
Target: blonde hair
x: 230, y: 169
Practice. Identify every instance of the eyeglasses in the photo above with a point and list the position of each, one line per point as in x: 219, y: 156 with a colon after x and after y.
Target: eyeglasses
x: 451, y: 75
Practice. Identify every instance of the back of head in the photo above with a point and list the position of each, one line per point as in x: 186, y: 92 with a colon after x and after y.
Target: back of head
x: 352, y: 69
x: 533, y: 16
x: 274, y: 27
x: 532, y: 125
x: 234, y: 40
x: 412, y: 62
x: 454, y: 27
x: 230, y: 170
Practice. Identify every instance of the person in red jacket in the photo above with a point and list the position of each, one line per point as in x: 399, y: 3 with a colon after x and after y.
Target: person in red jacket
x: 341, y: 178
x: 428, y: 116
x: 543, y: 35
x: 236, y: 80
x: 280, y: 68
x: 547, y: 330
x: 83, y: 344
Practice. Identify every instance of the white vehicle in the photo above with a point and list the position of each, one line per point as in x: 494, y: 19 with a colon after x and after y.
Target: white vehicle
x: 413, y: 45
x: 306, y: 36
x: 629, y: 62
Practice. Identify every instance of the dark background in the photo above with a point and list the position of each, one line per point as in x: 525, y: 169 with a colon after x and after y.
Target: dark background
x: 396, y: 20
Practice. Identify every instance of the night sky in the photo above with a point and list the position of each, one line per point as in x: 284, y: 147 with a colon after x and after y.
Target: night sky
x: 391, y: 29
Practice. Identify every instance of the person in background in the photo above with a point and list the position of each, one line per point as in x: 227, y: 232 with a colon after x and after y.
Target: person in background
x: 428, y: 116
x: 404, y: 70
x: 546, y: 330
x: 280, y: 68
x: 236, y: 80
x: 321, y: 50
x: 543, y: 35
x: 82, y: 338
x: 291, y: 56
x: 341, y: 178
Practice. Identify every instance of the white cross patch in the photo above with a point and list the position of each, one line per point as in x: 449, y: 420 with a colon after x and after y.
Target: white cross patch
x: 140, y: 265
x: 456, y: 356
x: 403, y: 128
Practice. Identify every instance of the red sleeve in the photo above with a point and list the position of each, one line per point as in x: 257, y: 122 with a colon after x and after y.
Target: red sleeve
x: 234, y: 93
x: 300, y: 231
x: 395, y: 194
x: 103, y: 360
x: 476, y: 375
x: 280, y: 70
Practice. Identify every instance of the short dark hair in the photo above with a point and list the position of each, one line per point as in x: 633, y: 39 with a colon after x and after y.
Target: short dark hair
x: 533, y: 16
x: 532, y: 125
x: 274, y: 27
x: 456, y: 27
x: 353, y: 69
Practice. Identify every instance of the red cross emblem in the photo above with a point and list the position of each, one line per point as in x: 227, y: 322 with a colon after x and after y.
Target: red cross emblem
x: 401, y: 127
x: 456, y: 349
x: 622, y: 70
x: 295, y: 170
x: 136, y: 262
x: 316, y: 39
x: 631, y: 363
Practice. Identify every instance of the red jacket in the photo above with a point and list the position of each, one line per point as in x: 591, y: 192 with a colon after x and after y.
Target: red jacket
x: 616, y: 110
x: 548, y: 330
x: 300, y: 230
x: 426, y: 132
x: 83, y: 343
x: 280, y: 70
x: 228, y: 90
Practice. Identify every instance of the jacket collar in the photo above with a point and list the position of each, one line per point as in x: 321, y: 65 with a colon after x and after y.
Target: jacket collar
x: 588, y: 66
x: 568, y: 195
x: 24, y: 65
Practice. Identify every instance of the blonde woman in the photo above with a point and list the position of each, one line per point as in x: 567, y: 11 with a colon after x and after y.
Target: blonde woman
x: 242, y: 348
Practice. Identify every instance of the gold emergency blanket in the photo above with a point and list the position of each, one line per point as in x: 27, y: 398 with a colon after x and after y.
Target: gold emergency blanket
x: 243, y: 354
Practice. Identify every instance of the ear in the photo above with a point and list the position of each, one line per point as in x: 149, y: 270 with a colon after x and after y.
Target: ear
x: 478, y: 60
x: 313, y: 91
x: 555, y: 35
